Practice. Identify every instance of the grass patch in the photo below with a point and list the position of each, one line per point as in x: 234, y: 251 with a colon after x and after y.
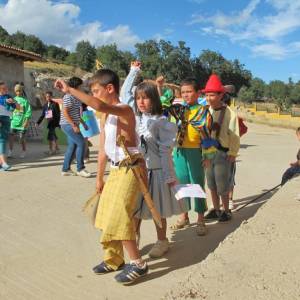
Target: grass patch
x: 53, y: 68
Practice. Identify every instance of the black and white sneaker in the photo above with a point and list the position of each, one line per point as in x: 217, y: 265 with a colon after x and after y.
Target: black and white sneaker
x: 225, y: 216
x: 213, y: 214
x: 103, y: 268
x: 131, y: 273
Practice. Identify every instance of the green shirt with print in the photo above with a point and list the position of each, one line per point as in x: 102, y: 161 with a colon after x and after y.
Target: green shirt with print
x: 21, y: 115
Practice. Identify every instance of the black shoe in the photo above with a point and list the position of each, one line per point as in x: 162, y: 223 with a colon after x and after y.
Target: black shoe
x: 213, y: 214
x: 131, y: 273
x: 103, y: 268
x: 225, y: 216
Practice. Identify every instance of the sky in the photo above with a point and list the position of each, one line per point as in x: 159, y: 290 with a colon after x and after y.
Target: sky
x: 264, y: 35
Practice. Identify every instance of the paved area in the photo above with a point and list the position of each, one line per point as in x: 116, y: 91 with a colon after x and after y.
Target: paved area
x: 47, y: 246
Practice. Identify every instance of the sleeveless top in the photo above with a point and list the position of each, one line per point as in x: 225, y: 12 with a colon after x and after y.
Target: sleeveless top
x: 114, y: 152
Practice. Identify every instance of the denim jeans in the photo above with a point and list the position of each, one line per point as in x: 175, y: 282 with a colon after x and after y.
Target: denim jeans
x: 75, y: 140
x: 4, y: 132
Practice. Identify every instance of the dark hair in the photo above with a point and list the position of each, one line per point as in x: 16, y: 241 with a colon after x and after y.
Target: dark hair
x: 105, y: 77
x: 150, y: 90
x: 49, y: 93
x: 227, y: 99
x: 191, y: 81
x: 298, y: 129
x: 2, y: 83
x: 75, y: 82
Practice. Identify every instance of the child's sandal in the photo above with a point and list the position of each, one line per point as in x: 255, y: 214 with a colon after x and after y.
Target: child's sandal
x: 180, y: 224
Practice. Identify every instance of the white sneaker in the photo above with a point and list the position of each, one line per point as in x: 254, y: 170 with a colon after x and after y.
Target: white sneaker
x: 201, y: 229
x: 84, y: 173
x: 68, y: 173
x: 159, y: 249
x: 231, y: 204
x: 23, y: 154
x: 9, y: 154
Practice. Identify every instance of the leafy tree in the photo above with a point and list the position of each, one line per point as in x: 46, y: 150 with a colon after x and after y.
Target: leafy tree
x: 85, y: 55
x: 71, y: 59
x: 34, y: 44
x: 57, y: 53
x: 4, y: 35
x: 112, y: 58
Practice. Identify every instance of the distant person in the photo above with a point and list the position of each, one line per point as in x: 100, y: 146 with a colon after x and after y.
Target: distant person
x: 294, y: 166
x: 7, y: 105
x: 51, y: 112
x: 19, y: 121
x: 70, y: 119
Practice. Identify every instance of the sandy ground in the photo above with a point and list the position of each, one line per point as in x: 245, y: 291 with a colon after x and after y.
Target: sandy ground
x: 47, y: 246
x: 260, y: 260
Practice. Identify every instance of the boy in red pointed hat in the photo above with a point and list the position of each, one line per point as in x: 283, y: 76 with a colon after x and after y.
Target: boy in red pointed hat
x: 225, y: 131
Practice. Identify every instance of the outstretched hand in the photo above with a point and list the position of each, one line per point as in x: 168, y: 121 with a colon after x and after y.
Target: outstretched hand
x: 62, y: 86
x: 136, y: 64
x: 160, y: 80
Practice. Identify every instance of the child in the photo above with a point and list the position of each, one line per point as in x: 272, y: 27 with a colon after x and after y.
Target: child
x: 294, y: 167
x: 7, y: 105
x: 226, y: 134
x: 20, y: 120
x: 157, y: 137
x: 119, y: 193
x: 51, y: 112
x: 188, y: 155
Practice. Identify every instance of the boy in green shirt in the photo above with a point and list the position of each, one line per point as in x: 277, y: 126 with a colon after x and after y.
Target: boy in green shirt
x: 19, y: 121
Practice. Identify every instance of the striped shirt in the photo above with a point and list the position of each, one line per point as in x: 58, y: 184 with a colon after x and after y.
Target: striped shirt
x: 74, y: 109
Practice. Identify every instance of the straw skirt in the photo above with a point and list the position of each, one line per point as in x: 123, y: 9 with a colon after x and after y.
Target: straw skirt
x: 117, y: 205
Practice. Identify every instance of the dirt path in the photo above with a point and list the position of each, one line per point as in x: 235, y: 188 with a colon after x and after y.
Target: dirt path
x: 47, y: 247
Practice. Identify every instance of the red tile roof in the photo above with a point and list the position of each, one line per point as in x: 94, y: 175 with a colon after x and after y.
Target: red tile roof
x: 23, y: 54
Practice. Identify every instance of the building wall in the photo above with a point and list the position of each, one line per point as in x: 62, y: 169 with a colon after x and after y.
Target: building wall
x: 11, y: 71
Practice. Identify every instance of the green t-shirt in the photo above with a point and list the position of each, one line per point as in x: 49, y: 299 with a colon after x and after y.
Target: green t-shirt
x: 20, y: 116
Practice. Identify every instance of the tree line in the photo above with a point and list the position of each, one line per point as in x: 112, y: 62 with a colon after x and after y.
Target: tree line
x: 174, y: 62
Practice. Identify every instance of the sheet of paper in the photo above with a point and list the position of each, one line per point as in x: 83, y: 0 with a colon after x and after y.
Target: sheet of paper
x: 188, y: 191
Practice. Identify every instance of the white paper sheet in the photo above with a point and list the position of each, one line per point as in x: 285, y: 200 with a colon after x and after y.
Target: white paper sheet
x: 188, y: 191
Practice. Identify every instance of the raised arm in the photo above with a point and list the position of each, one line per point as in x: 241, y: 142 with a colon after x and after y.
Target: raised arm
x: 126, y: 94
x: 99, y: 105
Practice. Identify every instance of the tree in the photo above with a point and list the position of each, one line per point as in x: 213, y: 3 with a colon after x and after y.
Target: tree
x: 57, y: 53
x: 278, y: 91
x: 149, y: 53
x: 34, y: 44
x: 4, y: 35
x: 85, y: 55
x: 112, y: 58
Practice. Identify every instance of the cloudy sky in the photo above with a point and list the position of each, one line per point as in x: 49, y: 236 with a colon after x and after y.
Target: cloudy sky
x: 263, y: 34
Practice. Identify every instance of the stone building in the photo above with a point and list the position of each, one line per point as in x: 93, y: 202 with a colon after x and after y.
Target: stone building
x: 12, y: 64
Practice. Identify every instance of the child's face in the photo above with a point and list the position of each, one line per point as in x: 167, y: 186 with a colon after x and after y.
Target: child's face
x: 48, y: 97
x: 3, y: 89
x: 189, y: 94
x: 214, y: 99
x: 18, y: 93
x: 143, y: 103
x: 100, y: 92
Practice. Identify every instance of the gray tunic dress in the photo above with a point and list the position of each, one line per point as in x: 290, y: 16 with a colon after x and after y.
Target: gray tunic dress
x: 157, y: 137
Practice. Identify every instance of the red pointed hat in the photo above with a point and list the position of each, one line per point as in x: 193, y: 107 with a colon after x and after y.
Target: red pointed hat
x: 214, y: 85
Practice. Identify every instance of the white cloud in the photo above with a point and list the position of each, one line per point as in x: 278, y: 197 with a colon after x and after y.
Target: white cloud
x: 264, y: 35
x: 58, y: 23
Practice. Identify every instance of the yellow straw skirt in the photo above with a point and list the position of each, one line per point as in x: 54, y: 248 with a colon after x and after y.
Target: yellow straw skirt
x: 117, y: 205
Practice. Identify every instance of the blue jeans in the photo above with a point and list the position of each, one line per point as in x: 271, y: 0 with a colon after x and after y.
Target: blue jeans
x: 4, y: 132
x: 75, y: 140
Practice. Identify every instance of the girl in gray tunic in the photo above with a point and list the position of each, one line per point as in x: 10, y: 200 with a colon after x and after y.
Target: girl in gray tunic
x: 157, y: 137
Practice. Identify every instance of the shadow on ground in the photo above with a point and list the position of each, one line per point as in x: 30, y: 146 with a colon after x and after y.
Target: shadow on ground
x: 196, y: 248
